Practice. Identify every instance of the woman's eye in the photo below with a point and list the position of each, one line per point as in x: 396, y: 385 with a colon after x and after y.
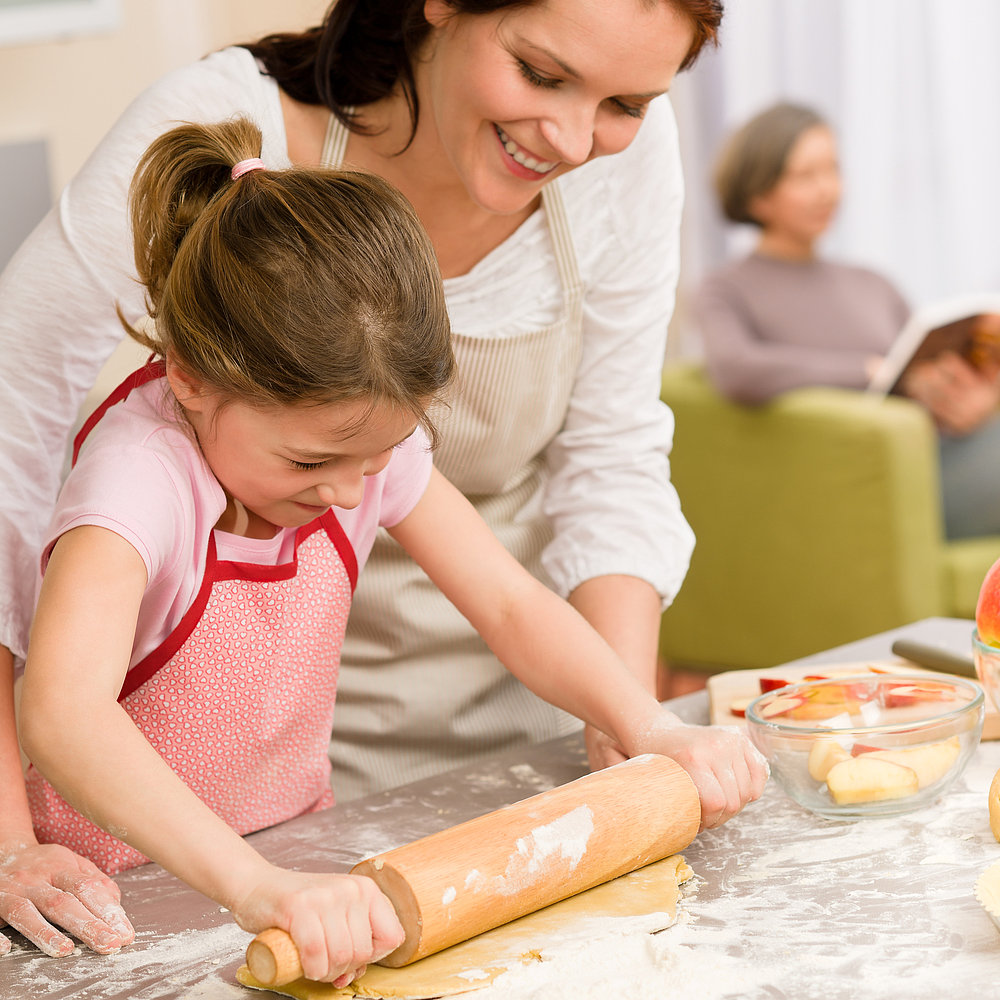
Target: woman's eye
x: 534, y: 78
x: 632, y: 110
x: 305, y: 465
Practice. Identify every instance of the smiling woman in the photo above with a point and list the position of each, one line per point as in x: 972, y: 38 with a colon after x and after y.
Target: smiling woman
x: 534, y: 143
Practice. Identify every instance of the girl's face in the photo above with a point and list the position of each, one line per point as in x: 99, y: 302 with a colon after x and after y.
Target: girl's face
x: 801, y: 206
x: 289, y: 464
x: 525, y: 94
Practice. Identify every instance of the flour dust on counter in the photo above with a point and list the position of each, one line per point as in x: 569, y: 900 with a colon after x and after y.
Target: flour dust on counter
x: 146, y: 968
x: 608, y: 930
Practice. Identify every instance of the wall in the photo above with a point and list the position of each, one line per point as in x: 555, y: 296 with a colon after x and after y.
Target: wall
x: 69, y: 93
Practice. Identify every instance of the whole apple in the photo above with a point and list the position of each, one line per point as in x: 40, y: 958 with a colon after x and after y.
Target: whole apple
x: 988, y: 607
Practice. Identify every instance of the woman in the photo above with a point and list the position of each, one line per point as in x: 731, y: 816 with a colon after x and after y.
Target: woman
x: 559, y: 289
x: 783, y: 317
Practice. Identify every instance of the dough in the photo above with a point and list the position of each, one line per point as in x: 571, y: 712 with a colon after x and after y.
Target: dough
x: 473, y: 964
x: 987, y: 892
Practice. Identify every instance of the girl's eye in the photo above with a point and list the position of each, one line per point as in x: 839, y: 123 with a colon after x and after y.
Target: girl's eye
x: 306, y: 465
x: 534, y: 78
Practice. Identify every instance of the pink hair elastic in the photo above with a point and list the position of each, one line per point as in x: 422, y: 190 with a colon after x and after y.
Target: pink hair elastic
x: 245, y: 166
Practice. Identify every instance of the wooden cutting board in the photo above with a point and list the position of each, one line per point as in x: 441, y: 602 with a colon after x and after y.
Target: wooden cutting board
x: 740, y: 685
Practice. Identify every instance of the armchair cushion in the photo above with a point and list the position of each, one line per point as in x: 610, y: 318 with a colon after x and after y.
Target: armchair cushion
x: 818, y: 521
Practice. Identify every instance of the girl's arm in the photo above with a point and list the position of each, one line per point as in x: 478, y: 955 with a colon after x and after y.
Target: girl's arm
x: 43, y: 883
x: 87, y: 746
x: 550, y: 647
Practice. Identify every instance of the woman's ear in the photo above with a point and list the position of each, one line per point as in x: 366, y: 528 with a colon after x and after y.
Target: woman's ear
x: 759, y: 208
x: 189, y: 390
x: 436, y: 12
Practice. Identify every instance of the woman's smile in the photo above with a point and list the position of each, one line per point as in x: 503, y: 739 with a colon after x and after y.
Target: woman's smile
x: 532, y: 166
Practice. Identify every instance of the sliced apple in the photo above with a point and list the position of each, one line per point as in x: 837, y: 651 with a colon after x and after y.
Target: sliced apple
x: 995, y: 805
x: 768, y: 684
x: 869, y: 779
x: 781, y: 705
x: 739, y: 707
x: 824, y: 753
x: 814, y: 710
x: 930, y: 763
x: 907, y: 695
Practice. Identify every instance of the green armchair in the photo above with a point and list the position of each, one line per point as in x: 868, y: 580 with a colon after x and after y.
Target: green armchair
x: 818, y: 522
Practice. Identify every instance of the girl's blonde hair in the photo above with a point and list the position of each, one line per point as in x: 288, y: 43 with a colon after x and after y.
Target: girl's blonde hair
x: 754, y: 157
x: 299, y: 286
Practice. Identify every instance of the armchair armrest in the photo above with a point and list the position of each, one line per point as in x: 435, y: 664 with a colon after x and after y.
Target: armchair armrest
x: 817, y: 518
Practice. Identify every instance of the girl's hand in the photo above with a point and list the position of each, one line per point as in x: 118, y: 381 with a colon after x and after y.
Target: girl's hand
x: 45, y: 886
x: 339, y: 923
x: 727, y: 769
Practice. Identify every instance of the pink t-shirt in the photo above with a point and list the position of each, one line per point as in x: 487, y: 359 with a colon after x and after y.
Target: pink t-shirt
x: 141, y: 475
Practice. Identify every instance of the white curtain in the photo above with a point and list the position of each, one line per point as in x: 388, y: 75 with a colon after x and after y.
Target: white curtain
x: 912, y: 88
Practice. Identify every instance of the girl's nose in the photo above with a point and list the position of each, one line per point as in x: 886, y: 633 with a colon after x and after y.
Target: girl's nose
x: 346, y: 492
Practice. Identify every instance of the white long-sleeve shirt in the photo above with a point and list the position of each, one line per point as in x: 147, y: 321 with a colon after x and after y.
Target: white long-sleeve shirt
x: 608, y: 494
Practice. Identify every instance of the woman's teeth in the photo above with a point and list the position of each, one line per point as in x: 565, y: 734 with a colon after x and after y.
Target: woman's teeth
x: 539, y: 166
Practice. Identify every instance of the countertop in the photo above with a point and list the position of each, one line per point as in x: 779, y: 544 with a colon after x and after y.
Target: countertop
x: 784, y: 904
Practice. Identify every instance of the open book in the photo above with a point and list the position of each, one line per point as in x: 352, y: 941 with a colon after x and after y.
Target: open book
x: 952, y: 325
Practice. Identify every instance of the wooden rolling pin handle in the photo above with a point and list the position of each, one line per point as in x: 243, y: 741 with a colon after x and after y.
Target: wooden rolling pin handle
x: 273, y: 959
x: 459, y: 882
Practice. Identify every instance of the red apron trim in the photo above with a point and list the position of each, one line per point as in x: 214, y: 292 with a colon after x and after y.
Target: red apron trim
x: 216, y: 570
x: 149, y: 372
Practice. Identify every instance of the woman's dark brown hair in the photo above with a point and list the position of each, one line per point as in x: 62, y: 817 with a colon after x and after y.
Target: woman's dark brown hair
x: 365, y: 48
x: 286, y: 287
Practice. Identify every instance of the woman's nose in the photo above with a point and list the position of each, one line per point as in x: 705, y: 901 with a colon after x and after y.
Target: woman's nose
x: 570, y: 135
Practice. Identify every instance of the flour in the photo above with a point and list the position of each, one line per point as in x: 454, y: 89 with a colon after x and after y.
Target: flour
x: 564, y: 839
x: 617, y: 958
x: 153, y: 961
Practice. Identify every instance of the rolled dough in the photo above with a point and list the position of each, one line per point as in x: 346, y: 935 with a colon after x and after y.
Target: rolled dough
x: 474, y: 964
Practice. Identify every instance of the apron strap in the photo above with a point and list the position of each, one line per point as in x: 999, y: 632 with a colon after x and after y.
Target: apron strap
x: 149, y: 372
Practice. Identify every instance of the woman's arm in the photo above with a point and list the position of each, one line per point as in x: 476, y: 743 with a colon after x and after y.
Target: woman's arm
x: 621, y: 545
x: 959, y: 396
x: 750, y: 368
x: 543, y: 641
x: 625, y: 611
x: 80, y: 647
x: 58, y: 297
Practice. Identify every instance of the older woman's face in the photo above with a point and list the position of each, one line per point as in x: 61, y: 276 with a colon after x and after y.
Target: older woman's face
x: 804, y: 201
x: 520, y: 96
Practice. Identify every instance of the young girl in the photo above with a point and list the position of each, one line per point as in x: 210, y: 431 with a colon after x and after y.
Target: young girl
x: 181, y: 672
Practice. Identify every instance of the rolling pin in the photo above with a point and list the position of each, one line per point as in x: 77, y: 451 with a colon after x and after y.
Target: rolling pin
x: 460, y: 882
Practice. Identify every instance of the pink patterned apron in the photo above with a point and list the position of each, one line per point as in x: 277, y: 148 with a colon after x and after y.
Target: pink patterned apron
x: 239, y: 698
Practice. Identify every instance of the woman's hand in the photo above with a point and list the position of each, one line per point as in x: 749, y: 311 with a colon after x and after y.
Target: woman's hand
x: 602, y: 751
x: 727, y: 769
x: 339, y: 923
x: 44, y: 887
x: 959, y: 397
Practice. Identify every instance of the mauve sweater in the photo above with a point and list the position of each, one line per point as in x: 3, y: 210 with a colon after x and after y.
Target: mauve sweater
x: 771, y: 325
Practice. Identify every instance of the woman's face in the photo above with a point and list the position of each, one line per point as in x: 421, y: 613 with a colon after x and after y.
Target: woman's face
x: 523, y: 95
x: 802, y: 204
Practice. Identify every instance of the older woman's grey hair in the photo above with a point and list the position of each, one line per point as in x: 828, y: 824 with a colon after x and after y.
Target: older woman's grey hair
x: 753, y: 158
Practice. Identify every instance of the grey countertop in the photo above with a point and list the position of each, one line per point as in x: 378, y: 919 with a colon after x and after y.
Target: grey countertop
x: 784, y: 904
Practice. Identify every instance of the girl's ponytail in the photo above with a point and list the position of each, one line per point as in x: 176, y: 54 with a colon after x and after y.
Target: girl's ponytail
x: 177, y: 177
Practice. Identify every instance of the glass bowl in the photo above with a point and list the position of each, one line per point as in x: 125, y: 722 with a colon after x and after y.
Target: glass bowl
x: 987, y: 660
x: 869, y: 745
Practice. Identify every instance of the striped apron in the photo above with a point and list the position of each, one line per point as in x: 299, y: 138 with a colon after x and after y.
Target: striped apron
x: 419, y: 691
